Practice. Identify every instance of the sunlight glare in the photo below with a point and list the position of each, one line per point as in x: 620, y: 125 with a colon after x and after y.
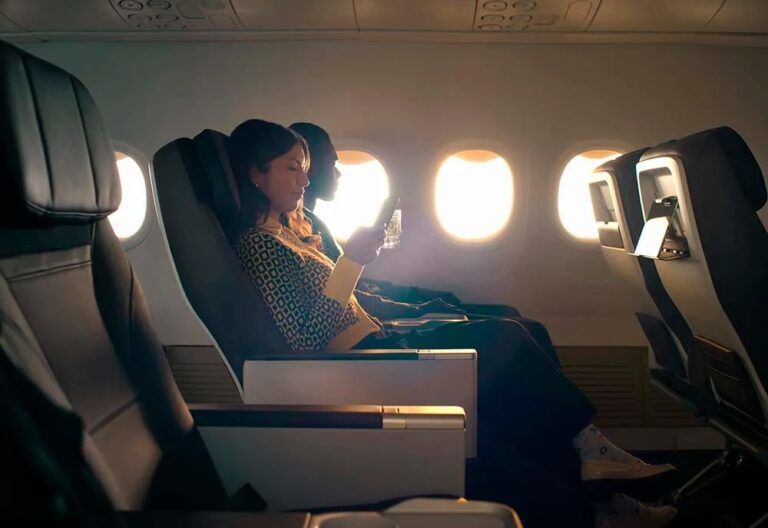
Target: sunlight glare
x: 574, y: 202
x: 363, y: 187
x: 129, y: 217
x: 474, y: 195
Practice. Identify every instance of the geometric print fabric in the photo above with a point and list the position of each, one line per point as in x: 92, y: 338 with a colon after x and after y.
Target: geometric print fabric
x: 292, y: 286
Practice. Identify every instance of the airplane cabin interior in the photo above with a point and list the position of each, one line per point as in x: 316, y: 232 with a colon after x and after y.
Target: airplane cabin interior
x: 384, y: 263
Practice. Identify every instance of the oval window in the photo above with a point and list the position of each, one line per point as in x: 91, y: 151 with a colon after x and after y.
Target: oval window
x: 574, y: 203
x: 129, y: 217
x: 363, y: 187
x: 474, y: 194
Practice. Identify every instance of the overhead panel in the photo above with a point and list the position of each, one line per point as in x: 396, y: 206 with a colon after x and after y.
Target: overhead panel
x: 741, y: 16
x: 296, y: 15
x: 534, y: 15
x: 414, y: 15
x: 177, y: 15
x: 59, y: 15
x: 655, y: 15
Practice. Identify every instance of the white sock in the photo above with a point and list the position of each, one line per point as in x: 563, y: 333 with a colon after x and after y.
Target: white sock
x: 593, y: 445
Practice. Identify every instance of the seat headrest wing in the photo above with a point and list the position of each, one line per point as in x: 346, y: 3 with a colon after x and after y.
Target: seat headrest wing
x: 57, y: 161
x: 744, y: 167
x: 623, y: 170
x: 221, y: 184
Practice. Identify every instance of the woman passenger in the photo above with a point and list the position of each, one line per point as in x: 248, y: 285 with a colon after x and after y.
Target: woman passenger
x: 526, y: 405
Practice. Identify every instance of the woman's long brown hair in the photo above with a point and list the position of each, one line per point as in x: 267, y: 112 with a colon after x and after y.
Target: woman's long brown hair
x: 256, y: 143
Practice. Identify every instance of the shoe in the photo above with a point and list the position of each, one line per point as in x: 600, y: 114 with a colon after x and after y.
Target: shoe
x: 632, y: 469
x: 626, y: 512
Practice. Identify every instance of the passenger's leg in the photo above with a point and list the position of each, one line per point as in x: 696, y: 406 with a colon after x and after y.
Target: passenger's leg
x: 524, y: 399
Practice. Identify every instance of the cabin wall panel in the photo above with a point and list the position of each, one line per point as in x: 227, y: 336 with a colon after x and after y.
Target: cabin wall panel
x: 408, y: 102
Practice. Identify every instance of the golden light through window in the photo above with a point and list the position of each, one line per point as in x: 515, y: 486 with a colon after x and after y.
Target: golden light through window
x: 574, y: 203
x: 129, y: 217
x: 363, y: 187
x: 474, y: 194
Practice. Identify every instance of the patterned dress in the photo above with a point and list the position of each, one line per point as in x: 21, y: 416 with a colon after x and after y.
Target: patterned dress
x: 310, y: 309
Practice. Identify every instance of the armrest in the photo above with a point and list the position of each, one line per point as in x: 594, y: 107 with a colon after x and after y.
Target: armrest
x: 426, y: 513
x: 390, y: 377
x: 328, y: 416
x: 372, y: 354
x: 168, y: 519
x: 302, y: 457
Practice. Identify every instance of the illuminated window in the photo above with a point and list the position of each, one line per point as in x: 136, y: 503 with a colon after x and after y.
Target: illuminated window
x: 574, y: 203
x: 129, y: 217
x: 363, y: 187
x: 473, y: 194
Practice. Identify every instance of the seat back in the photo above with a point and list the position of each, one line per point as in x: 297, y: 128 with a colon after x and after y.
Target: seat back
x: 191, y: 195
x: 619, y: 216
x: 74, y: 319
x: 722, y: 286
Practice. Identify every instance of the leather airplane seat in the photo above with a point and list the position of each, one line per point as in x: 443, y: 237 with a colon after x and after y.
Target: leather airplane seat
x: 619, y: 215
x: 70, y: 300
x: 720, y: 280
x: 193, y: 195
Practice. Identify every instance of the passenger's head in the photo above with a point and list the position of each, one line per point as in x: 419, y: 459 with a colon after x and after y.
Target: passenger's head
x: 323, y: 174
x: 270, y: 163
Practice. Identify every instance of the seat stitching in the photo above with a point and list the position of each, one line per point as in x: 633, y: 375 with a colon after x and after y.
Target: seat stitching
x: 38, y: 119
x: 87, y: 144
x: 101, y: 424
x: 49, y: 270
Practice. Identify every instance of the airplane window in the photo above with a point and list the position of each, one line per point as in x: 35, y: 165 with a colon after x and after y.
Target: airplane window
x: 474, y: 194
x: 363, y: 187
x: 129, y: 217
x: 574, y: 203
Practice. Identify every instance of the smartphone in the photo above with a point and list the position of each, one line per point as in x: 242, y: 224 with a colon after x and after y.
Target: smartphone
x: 386, y: 211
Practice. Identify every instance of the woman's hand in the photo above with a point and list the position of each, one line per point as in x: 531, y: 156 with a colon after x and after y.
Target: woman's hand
x: 364, y: 245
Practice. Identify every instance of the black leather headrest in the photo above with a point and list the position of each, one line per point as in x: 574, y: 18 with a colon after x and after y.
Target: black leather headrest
x: 623, y: 169
x: 221, y: 186
x: 744, y: 167
x: 57, y: 162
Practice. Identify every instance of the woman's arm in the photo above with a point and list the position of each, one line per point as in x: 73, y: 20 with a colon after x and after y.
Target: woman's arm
x: 307, y: 320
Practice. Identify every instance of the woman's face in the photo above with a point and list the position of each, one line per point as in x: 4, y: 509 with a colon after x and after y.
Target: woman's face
x: 285, y: 181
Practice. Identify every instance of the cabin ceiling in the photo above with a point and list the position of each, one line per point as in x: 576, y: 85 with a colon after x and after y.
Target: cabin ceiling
x: 743, y: 21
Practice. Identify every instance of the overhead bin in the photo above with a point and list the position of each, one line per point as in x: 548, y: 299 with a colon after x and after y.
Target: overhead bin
x: 654, y: 15
x: 407, y: 15
x: 740, y: 16
x: 74, y: 15
x: 299, y: 15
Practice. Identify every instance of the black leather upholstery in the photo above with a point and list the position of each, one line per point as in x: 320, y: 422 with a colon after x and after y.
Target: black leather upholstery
x: 623, y: 169
x: 58, y: 163
x: 726, y: 187
x: 74, y: 317
x: 218, y: 289
x: 223, y: 195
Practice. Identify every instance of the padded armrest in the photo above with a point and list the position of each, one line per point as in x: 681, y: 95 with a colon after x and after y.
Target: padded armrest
x: 390, y: 377
x: 328, y: 416
x: 371, y: 354
x: 166, y: 519
x: 426, y: 513
x: 302, y: 457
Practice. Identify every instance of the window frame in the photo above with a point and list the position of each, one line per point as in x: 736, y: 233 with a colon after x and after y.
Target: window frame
x: 511, y: 226
x: 617, y: 145
x: 146, y: 169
